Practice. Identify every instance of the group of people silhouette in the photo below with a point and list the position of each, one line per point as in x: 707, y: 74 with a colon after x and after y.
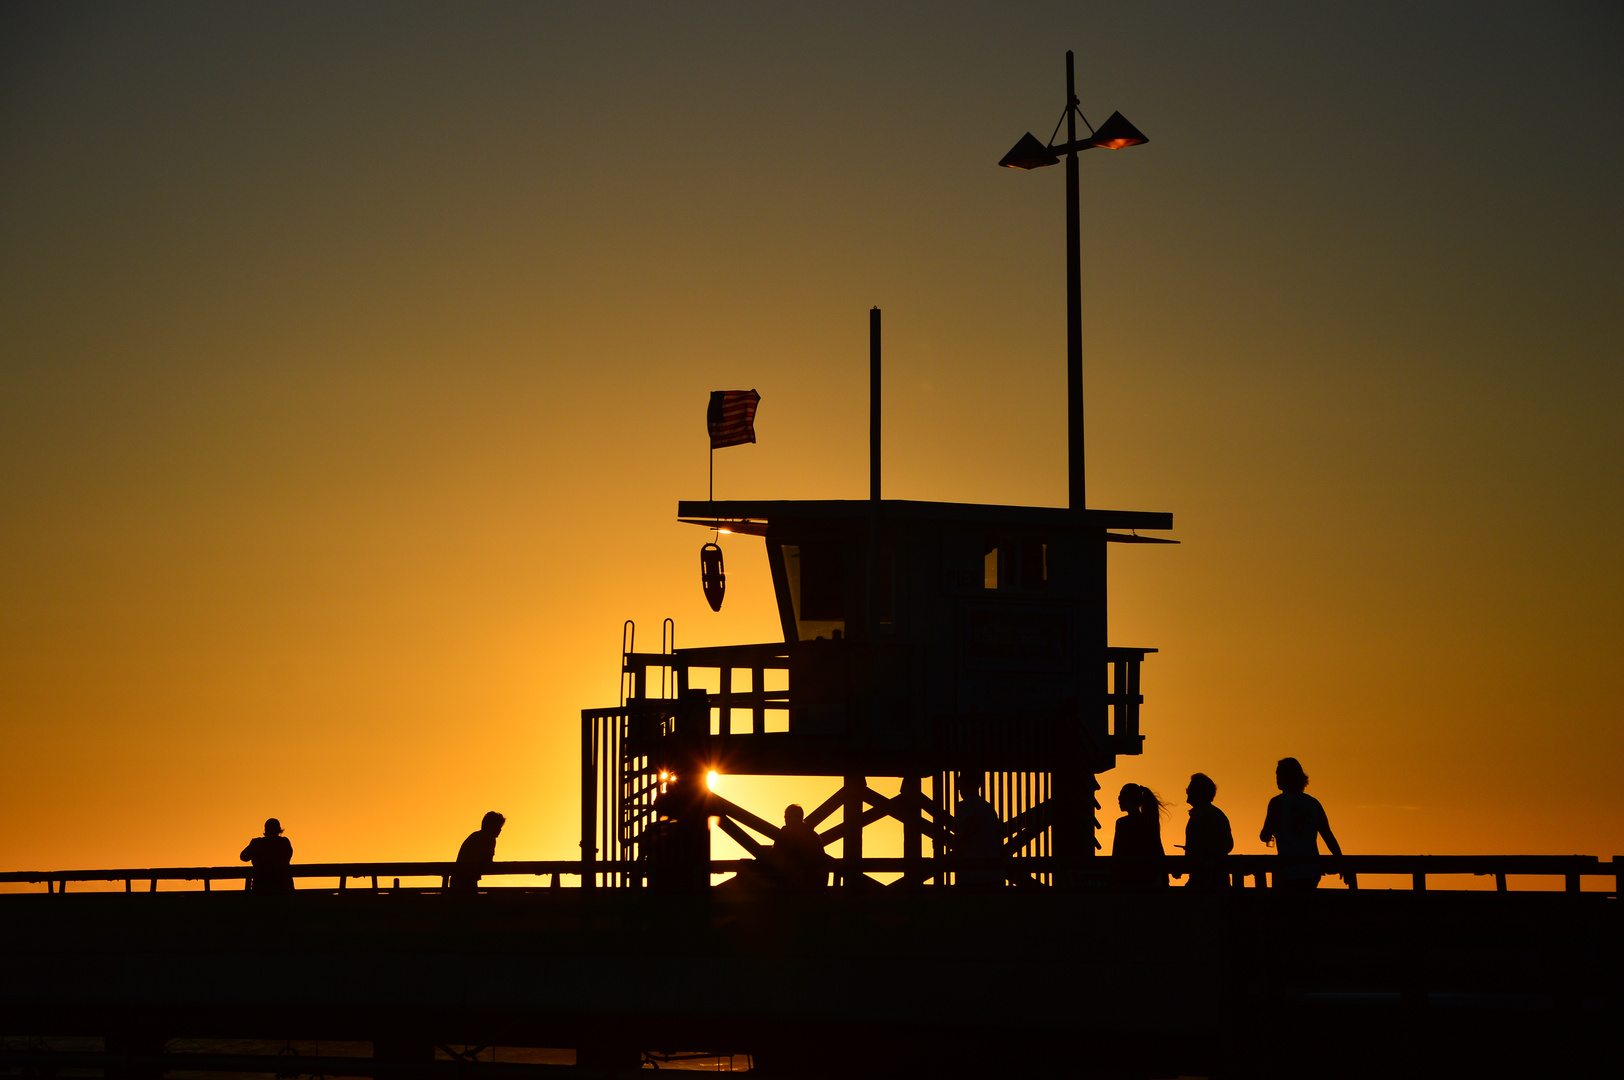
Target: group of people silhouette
x: 1293, y: 825
x: 272, y: 855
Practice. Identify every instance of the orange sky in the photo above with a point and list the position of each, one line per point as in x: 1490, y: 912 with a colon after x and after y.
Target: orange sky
x: 353, y: 359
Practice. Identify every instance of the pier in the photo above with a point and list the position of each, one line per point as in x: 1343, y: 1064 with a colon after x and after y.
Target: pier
x: 909, y: 979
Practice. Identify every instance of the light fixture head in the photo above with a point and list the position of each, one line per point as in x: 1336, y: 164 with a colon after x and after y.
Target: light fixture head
x: 1029, y: 154
x: 1115, y: 134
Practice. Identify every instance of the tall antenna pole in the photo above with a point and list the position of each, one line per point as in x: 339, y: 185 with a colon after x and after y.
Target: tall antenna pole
x: 1074, y: 307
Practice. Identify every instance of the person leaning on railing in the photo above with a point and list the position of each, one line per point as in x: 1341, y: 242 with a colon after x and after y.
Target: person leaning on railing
x: 477, y: 853
x: 270, y: 855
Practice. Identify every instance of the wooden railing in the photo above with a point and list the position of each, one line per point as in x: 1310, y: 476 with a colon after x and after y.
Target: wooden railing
x: 1257, y: 869
x: 752, y: 661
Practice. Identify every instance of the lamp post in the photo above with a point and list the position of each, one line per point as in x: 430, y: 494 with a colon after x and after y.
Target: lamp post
x: 1114, y: 134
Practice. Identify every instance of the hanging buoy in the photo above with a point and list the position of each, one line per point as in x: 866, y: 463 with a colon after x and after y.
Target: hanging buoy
x: 711, y: 576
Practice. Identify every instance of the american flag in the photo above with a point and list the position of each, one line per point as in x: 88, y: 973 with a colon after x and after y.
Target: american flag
x: 731, y: 417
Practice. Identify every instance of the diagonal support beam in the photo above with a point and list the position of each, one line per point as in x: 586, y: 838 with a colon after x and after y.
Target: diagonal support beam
x: 827, y: 807
x: 744, y: 839
x: 1025, y: 827
x: 723, y: 808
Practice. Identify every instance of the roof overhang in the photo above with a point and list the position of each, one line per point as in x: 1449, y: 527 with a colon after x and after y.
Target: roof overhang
x: 754, y: 517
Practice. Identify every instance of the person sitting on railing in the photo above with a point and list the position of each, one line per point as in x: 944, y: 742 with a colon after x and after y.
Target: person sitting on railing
x: 1137, y: 841
x: 476, y: 854
x: 1294, y: 823
x: 270, y: 855
x: 1207, y: 838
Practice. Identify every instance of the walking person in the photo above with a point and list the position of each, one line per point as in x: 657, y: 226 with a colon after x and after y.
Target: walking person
x: 476, y: 854
x: 270, y: 854
x: 1138, y: 841
x: 1294, y: 823
x: 1207, y: 837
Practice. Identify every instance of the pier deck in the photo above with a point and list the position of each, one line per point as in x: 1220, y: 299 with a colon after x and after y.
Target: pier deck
x: 920, y: 981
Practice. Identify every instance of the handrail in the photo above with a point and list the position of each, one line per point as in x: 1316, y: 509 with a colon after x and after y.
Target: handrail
x: 1572, y: 868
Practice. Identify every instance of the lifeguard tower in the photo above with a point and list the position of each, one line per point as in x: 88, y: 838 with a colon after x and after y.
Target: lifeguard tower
x: 934, y: 643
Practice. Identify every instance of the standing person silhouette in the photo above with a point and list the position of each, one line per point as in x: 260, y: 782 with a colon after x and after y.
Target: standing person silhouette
x: 798, y: 855
x: 978, y: 833
x: 270, y: 855
x: 1294, y: 823
x: 1138, y: 837
x: 477, y: 853
x: 1207, y: 837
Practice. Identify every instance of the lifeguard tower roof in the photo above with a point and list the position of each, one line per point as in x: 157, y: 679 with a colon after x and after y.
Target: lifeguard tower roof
x: 754, y: 517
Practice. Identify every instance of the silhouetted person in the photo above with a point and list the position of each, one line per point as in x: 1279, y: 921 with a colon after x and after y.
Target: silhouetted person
x: 270, y: 855
x: 978, y: 833
x: 1138, y: 837
x: 1207, y: 837
x: 797, y: 855
x: 1294, y: 824
x: 476, y: 854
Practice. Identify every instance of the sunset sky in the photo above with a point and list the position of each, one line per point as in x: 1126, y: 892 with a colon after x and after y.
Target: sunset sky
x: 353, y: 358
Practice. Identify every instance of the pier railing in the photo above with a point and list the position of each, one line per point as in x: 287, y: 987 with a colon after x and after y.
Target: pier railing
x: 1242, y: 870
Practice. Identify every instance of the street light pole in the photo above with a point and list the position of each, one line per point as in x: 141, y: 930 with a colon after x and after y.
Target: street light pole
x: 1114, y: 134
x: 1077, y: 484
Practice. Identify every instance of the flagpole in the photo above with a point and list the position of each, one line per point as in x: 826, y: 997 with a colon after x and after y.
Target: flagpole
x: 873, y: 470
x: 874, y: 407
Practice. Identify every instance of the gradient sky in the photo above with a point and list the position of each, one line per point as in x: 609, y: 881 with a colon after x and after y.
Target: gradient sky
x: 353, y: 359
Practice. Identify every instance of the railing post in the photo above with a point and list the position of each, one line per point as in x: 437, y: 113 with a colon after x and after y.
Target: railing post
x: 912, y: 843
x: 852, y: 822
x: 724, y: 697
x: 1418, y: 881
x: 758, y: 715
x: 589, y: 802
x: 1499, y: 883
x: 1122, y: 725
x: 1572, y: 882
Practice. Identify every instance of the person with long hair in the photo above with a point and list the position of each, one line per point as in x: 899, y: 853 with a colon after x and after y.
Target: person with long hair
x: 1138, y: 837
x: 1294, y: 823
